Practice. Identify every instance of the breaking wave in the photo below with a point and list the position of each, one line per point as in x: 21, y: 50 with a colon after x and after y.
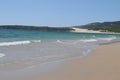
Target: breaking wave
x: 58, y: 41
x: 14, y: 43
x: 18, y: 42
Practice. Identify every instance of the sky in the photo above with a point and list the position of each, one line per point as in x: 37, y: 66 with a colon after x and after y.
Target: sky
x: 57, y: 13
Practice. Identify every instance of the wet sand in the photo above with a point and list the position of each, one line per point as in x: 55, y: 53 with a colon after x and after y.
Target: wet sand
x: 102, y: 64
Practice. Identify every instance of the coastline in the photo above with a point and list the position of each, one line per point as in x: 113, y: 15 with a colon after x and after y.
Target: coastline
x: 85, y: 30
x: 81, y: 30
x: 102, y: 64
x: 36, y: 59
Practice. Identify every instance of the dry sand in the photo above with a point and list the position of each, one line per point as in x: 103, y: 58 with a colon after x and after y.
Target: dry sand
x: 91, y: 31
x: 102, y: 64
x: 85, y: 30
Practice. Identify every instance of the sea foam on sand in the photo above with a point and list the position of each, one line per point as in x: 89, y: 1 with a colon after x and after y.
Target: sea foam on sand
x: 2, y: 55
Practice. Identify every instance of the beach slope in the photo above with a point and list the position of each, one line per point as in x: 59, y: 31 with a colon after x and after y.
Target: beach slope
x: 102, y: 64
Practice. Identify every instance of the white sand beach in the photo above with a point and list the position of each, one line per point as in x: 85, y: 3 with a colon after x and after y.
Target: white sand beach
x: 85, y: 30
x: 102, y: 64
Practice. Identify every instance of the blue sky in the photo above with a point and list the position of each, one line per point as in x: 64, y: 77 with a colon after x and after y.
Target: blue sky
x: 58, y: 12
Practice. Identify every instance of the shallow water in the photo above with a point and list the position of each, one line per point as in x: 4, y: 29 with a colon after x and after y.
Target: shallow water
x: 23, y: 53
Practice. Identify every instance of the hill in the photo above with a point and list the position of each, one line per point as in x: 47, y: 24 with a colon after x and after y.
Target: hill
x: 104, y: 26
x: 38, y: 28
x: 101, y: 26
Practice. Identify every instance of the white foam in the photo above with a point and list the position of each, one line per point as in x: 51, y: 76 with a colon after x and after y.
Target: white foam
x: 97, y: 39
x: 68, y: 41
x: 89, y: 40
x: 14, y: 43
x: 108, y: 39
x: 36, y: 41
x: 59, y: 41
x: 2, y: 55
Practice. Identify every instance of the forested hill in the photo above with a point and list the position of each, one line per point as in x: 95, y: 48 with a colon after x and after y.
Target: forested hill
x: 38, y: 28
x: 104, y: 26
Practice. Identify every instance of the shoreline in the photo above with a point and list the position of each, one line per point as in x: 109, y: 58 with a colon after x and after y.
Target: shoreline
x: 85, y: 30
x: 81, y: 30
x: 102, y: 64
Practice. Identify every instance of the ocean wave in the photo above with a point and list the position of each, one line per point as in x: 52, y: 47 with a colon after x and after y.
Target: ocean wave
x: 108, y: 39
x: 2, y: 55
x: 99, y: 39
x: 86, y: 40
x: 59, y: 41
x: 36, y: 41
x: 19, y: 42
x: 14, y: 43
x: 89, y: 40
x: 68, y: 41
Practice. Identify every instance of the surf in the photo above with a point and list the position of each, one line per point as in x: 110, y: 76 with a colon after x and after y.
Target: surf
x: 2, y: 55
x: 14, y: 43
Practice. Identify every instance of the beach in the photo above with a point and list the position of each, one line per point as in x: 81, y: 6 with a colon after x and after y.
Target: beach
x: 102, y: 64
x: 58, y: 55
x: 85, y: 30
x: 60, y: 40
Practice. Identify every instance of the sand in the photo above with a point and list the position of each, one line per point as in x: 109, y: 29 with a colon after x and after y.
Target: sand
x: 81, y: 30
x: 102, y: 64
x: 85, y: 30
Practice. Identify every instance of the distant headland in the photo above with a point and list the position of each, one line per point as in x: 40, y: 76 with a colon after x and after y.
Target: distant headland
x: 102, y: 26
x: 92, y: 27
x: 37, y: 28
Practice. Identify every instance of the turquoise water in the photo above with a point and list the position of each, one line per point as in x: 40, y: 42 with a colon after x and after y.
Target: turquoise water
x: 49, y: 43
x: 18, y: 35
x: 26, y: 53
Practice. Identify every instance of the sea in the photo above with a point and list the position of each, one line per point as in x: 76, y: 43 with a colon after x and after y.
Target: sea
x: 27, y: 52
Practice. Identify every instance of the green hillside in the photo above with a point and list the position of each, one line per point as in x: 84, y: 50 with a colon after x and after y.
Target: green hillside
x: 105, y: 26
x: 37, y: 28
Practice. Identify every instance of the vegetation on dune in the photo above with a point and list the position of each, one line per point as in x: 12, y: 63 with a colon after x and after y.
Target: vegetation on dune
x: 105, y: 26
